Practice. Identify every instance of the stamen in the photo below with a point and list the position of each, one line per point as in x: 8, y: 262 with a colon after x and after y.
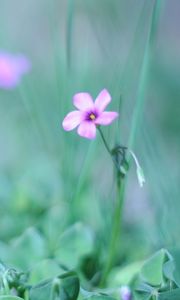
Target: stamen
x: 92, y: 116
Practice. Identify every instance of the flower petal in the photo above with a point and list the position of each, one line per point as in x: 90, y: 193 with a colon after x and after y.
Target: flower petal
x: 87, y: 129
x: 12, y: 67
x: 83, y: 101
x: 72, y: 120
x: 22, y: 64
x: 102, y: 100
x: 106, y: 118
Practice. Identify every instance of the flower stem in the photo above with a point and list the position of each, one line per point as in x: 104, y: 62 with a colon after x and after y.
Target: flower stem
x: 116, y: 230
x: 26, y: 295
x: 104, y: 141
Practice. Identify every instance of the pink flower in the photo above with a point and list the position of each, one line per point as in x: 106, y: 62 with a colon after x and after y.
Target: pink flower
x: 12, y: 67
x: 90, y: 114
x: 125, y: 293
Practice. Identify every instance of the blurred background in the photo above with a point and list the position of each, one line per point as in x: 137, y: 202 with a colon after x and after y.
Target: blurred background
x: 49, y: 178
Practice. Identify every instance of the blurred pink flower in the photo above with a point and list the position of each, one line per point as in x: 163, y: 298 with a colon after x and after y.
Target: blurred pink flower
x: 12, y: 67
x: 90, y: 114
x: 125, y: 293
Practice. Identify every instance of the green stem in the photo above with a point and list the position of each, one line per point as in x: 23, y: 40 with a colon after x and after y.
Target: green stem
x: 116, y: 229
x: 117, y: 216
x: 107, y: 147
x: 104, y: 141
x: 26, y: 295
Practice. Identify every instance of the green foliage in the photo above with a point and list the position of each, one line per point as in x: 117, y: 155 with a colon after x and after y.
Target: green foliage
x: 97, y: 295
x: 77, y: 239
x: 44, y: 270
x: 30, y: 247
x: 152, y: 271
x: 124, y: 275
x: 171, y: 295
x: 63, y: 287
x: 158, y: 277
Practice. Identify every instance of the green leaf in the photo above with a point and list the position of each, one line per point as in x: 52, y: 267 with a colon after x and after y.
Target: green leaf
x: 174, y: 269
x: 63, y: 287
x: 169, y: 268
x: 99, y: 294
x: 145, y: 288
x: 152, y: 276
x: 145, y: 291
x: 41, y: 291
x: 143, y: 296
x: 123, y: 276
x: 152, y: 271
x: 69, y: 288
x: 74, y: 243
x: 171, y: 295
x: 30, y: 247
x: 44, y: 270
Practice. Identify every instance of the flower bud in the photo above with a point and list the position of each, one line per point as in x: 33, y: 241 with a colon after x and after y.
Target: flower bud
x: 125, y: 293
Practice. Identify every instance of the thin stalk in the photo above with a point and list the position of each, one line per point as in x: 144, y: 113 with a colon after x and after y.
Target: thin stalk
x: 107, y: 148
x: 26, y: 295
x: 104, y: 141
x: 117, y: 215
x: 116, y: 230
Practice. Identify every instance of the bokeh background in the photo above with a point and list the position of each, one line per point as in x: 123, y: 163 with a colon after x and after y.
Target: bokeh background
x: 49, y: 178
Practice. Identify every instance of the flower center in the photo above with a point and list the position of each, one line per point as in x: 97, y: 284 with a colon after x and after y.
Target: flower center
x: 92, y: 116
